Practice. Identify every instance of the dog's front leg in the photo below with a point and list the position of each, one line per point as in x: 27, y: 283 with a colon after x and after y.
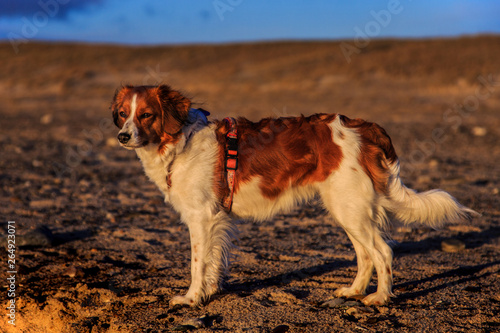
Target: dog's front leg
x: 210, y: 245
x: 198, y: 238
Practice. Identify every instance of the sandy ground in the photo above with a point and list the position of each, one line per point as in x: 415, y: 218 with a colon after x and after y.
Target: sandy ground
x: 97, y: 250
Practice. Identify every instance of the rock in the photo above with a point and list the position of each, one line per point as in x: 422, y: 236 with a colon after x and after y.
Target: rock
x: 333, y: 303
x: 352, y: 312
x: 273, y: 257
x: 280, y: 329
x: 41, y: 236
x: 366, y: 309
x: 42, y: 204
x: 46, y: 119
x: 473, y: 289
x: 15, y: 200
x: 194, y: 322
x: 352, y: 303
x: 433, y: 163
x: 424, y: 179
x: 452, y: 245
x: 371, y: 320
x: 479, y: 131
x: 102, y: 157
x: 110, y: 217
x: 464, y: 228
x: 383, y: 310
x: 283, y: 257
x: 112, y: 142
x: 183, y: 328
x: 70, y: 271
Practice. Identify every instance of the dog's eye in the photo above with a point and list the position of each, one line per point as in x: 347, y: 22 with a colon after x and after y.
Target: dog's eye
x: 123, y: 114
x: 146, y: 115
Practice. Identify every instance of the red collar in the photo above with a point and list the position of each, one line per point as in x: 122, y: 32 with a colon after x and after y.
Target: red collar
x: 231, y: 163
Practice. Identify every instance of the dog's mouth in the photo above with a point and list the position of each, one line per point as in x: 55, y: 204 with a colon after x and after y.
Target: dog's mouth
x: 130, y: 143
x: 131, y: 146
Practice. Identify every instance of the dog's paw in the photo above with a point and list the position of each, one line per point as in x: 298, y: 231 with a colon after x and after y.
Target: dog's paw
x: 377, y: 298
x: 347, y: 292
x: 183, y: 301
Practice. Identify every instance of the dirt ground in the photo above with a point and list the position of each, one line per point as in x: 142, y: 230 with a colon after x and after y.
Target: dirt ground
x: 97, y: 250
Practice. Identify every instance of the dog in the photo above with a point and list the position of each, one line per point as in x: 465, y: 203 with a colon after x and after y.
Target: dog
x: 212, y: 172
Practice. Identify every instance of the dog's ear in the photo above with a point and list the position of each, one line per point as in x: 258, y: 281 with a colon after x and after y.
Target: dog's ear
x: 175, y: 108
x: 117, y: 101
x: 114, y: 107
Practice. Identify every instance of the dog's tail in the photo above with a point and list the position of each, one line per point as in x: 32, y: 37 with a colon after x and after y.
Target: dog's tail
x: 381, y: 164
x: 432, y: 208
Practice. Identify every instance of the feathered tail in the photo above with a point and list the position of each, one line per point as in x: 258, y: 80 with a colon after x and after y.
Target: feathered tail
x: 432, y: 208
x: 381, y: 164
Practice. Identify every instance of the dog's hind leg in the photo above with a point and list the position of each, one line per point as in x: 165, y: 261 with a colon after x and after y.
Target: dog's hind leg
x: 352, y: 201
x: 364, y: 275
x: 371, y: 251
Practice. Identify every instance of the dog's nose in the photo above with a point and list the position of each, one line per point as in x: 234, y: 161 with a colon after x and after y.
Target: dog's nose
x: 123, y: 137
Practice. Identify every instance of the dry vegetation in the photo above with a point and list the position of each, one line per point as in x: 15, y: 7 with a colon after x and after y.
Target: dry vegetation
x: 104, y: 254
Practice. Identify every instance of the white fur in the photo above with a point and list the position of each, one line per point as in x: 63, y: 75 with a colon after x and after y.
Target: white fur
x: 347, y: 193
x: 249, y: 203
x: 130, y: 127
x: 192, y: 195
x: 350, y: 197
x: 155, y: 166
x: 432, y: 208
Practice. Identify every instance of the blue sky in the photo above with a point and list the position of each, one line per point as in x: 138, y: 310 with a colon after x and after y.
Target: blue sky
x: 220, y: 21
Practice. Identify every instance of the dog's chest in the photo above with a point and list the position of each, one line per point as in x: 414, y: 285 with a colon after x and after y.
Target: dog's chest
x: 155, y: 168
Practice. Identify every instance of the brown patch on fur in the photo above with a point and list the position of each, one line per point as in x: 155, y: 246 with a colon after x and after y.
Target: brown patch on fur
x: 283, y: 152
x: 377, y: 151
x: 175, y: 108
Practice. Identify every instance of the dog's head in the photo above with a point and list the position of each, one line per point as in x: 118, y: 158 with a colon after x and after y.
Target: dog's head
x: 149, y: 115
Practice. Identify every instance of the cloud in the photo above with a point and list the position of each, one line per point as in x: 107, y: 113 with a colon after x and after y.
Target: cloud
x: 55, y: 8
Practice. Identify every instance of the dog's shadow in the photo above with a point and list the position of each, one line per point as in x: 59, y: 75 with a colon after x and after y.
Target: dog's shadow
x: 286, y: 278
x: 463, y: 275
x: 472, y: 240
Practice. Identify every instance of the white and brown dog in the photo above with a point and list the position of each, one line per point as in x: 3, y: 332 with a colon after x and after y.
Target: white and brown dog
x: 350, y: 163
